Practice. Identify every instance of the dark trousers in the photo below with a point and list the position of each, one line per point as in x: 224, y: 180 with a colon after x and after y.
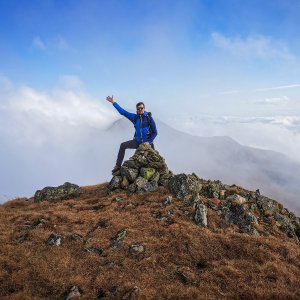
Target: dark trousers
x: 132, y: 144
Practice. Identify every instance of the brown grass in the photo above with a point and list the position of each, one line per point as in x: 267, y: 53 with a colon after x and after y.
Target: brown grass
x: 181, y: 260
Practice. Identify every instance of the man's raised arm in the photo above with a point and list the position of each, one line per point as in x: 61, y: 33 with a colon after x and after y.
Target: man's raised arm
x: 121, y: 110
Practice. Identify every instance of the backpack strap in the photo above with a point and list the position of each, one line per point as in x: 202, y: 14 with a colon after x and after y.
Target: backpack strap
x: 149, y: 116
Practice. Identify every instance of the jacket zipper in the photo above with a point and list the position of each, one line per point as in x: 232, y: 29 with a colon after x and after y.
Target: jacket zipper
x: 141, y: 127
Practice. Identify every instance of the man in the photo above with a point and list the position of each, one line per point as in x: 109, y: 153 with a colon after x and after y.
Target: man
x: 145, y: 129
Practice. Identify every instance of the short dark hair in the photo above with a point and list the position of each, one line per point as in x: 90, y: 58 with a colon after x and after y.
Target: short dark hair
x: 140, y: 103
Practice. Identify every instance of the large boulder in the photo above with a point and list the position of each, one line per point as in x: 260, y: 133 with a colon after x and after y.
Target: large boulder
x: 182, y: 185
x: 143, y: 172
x: 65, y: 191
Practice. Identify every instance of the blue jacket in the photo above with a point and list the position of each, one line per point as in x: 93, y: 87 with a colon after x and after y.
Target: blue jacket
x: 141, y: 127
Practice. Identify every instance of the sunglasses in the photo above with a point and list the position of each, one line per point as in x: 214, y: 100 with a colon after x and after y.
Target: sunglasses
x: 140, y: 108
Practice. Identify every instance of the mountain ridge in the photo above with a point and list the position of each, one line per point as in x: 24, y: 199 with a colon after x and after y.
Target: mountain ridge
x: 149, y: 234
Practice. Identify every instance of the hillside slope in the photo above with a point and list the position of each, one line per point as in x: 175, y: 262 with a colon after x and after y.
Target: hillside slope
x: 120, y: 245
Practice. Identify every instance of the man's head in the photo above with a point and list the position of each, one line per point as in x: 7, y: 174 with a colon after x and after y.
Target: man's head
x: 140, y: 108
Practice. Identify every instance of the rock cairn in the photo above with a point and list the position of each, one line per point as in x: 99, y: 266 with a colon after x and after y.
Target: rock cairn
x: 143, y: 172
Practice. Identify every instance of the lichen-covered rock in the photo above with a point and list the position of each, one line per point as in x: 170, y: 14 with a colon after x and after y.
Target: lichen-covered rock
x: 214, y: 189
x: 130, y: 173
x: 65, y: 191
x: 143, y: 172
x: 182, y: 185
x: 147, y: 173
x: 115, y: 183
x: 267, y: 205
x: 143, y: 185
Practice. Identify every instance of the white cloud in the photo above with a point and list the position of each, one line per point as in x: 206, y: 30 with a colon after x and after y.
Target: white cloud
x: 71, y: 82
x: 38, y: 43
x: 57, y: 43
x: 258, y: 46
x: 60, y: 43
x: 283, y: 100
x: 36, y: 116
x: 52, y: 136
x: 229, y: 92
x: 291, y: 86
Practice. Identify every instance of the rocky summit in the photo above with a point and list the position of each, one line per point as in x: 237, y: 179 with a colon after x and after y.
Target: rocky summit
x: 143, y: 172
x: 149, y: 234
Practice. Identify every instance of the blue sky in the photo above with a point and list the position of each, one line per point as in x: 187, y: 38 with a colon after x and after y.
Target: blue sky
x: 144, y: 49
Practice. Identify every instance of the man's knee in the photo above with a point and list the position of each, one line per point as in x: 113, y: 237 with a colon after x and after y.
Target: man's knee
x: 123, y: 145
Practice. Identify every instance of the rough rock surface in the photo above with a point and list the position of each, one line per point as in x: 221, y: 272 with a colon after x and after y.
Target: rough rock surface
x: 182, y: 185
x: 65, y: 191
x: 143, y: 172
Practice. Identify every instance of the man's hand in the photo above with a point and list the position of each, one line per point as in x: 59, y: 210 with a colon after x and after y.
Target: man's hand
x: 110, y: 99
x: 146, y: 143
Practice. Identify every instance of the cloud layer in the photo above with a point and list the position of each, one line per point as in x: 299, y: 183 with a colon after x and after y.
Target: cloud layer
x: 278, y: 133
x: 258, y: 46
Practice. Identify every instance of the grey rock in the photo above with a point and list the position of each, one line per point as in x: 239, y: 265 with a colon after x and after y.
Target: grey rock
x: 201, y: 215
x: 131, y: 187
x: 129, y: 173
x: 54, y: 240
x: 267, y: 205
x: 164, y: 179
x: 214, y: 189
x: 94, y: 249
x: 76, y: 237
x: 136, y: 249
x: 65, y: 191
x: 236, y: 199
x: 193, y: 201
x: 287, y: 226
x: 131, y: 163
x: 74, y: 292
x: 129, y: 294
x: 143, y: 185
x: 250, y: 218
x: 115, y: 183
x: 38, y: 223
x: 118, y: 199
x: 167, y: 201
x: 249, y: 229
x: 182, y: 185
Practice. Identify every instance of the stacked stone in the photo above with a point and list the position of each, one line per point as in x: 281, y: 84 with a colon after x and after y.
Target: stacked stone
x: 143, y: 172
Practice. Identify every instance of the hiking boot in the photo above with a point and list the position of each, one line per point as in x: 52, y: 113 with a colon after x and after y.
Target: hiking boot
x: 116, y: 168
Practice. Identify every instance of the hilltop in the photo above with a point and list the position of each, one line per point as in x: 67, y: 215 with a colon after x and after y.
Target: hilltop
x: 149, y: 234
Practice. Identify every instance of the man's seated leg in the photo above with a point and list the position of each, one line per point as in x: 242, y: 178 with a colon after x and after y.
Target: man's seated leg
x: 131, y: 144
